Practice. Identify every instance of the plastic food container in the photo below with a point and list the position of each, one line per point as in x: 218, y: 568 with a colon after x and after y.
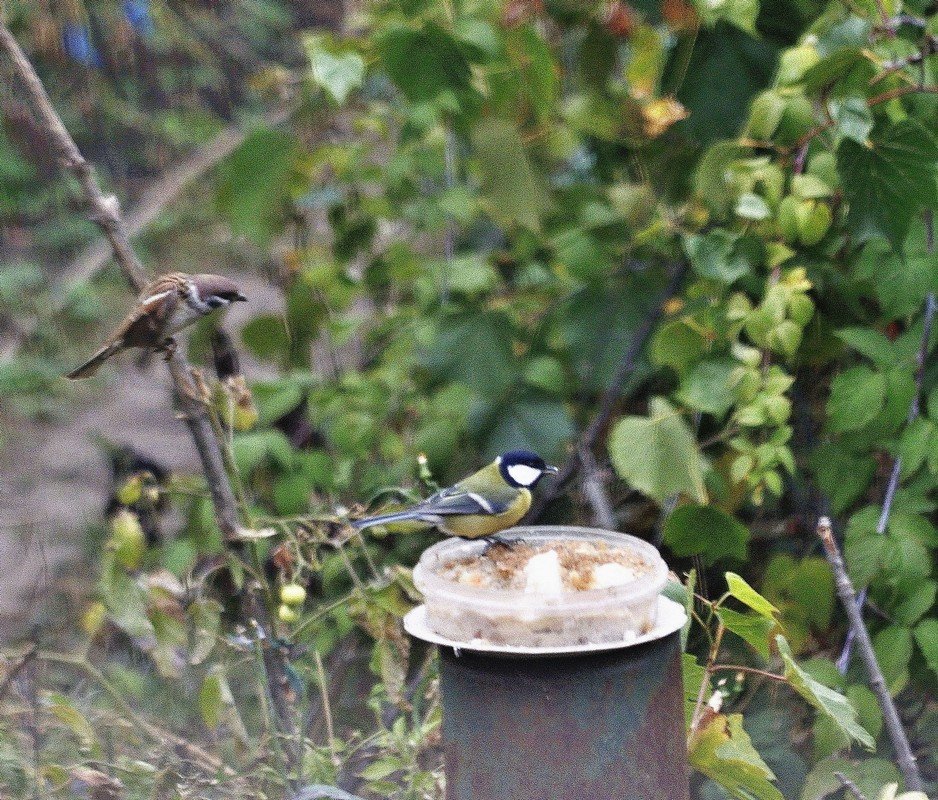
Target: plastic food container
x: 541, y: 613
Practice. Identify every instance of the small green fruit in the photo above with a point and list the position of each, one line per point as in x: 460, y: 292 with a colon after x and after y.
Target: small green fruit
x: 814, y: 221
x: 788, y: 218
x: 93, y: 618
x: 129, y: 493
x: 795, y: 62
x: 128, y: 541
x: 800, y: 309
x: 292, y: 594
x: 765, y: 114
x: 287, y: 613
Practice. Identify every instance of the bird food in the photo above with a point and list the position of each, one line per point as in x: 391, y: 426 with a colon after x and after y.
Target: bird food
x: 542, y: 587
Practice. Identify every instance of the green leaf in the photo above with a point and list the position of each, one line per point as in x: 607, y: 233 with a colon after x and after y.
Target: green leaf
x: 857, y: 396
x: 339, y: 74
x: 916, y: 601
x: 824, y: 699
x: 715, y: 255
x: 707, y: 387
x: 926, y: 636
x: 538, y: 423
x: 887, y: 184
x: 694, y: 675
x: 870, y: 343
x: 515, y: 192
x: 705, y: 530
x: 425, y: 62
x: 719, y: 52
x: 64, y: 710
x: 900, y: 281
x: 723, y: 752
x: 253, y: 184
x: 746, y: 595
x: 752, y: 628
x: 752, y: 207
x: 266, y: 336
x: 893, y: 647
x: 211, y: 700
x: 853, y: 118
x: 658, y: 454
x: 842, y: 475
x: 474, y: 349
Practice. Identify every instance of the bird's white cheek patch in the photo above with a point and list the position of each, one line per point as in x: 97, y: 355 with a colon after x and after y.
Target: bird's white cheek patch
x: 523, y: 474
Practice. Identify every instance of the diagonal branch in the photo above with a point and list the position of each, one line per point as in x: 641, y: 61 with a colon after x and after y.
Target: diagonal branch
x: 105, y: 212
x: 610, y: 397
x: 848, y: 597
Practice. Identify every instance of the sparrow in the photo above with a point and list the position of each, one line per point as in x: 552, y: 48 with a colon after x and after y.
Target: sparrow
x: 488, y: 501
x: 166, y: 305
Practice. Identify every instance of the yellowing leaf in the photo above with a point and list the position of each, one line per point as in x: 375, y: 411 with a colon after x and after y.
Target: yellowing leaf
x: 723, y: 751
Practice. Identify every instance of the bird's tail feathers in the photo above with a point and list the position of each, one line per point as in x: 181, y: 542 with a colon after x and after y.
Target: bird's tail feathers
x: 91, y: 366
x: 387, y: 519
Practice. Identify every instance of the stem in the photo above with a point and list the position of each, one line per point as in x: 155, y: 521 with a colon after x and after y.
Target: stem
x: 848, y: 597
x: 105, y: 212
x: 749, y: 670
x: 850, y: 786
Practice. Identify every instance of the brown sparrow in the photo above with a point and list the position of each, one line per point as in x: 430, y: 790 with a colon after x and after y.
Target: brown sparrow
x: 166, y: 305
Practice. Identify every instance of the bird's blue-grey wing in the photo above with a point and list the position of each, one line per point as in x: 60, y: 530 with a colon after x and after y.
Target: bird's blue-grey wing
x: 452, y: 502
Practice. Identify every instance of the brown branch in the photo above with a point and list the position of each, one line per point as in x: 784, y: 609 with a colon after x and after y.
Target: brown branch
x: 848, y: 597
x: 876, y: 100
x: 610, y: 396
x: 105, y: 212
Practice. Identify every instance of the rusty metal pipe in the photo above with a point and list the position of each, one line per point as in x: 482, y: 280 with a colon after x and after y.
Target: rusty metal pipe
x: 593, y: 726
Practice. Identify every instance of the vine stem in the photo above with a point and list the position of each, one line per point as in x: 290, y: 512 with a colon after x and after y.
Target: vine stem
x: 105, y: 212
x: 848, y: 597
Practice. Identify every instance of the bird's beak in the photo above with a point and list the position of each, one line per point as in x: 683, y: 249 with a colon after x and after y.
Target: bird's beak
x: 240, y: 298
x: 552, y: 470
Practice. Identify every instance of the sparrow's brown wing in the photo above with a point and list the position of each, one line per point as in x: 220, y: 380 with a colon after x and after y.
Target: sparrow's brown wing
x: 143, y: 326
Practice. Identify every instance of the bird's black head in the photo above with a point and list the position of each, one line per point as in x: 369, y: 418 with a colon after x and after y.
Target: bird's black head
x: 523, y: 469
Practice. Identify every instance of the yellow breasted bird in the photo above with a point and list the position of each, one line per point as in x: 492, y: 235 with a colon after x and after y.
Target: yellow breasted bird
x: 488, y: 501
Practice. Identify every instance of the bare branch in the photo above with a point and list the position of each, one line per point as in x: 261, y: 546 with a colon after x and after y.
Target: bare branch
x: 610, y: 397
x: 105, y: 212
x: 848, y: 598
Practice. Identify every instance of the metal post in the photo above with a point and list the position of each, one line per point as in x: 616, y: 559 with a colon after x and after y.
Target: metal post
x: 594, y: 726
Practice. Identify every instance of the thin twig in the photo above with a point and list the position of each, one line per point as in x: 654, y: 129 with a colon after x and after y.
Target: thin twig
x: 850, y: 786
x: 105, y: 212
x: 610, y: 397
x: 848, y: 597
x: 749, y: 670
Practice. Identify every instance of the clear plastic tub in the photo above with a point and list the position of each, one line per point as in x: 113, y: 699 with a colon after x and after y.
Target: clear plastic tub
x: 526, y: 618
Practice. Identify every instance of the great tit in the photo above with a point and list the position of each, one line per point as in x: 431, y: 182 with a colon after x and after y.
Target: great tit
x: 488, y: 501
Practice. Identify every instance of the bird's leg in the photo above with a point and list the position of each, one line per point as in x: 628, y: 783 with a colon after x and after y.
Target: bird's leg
x: 168, y: 347
x: 496, y: 541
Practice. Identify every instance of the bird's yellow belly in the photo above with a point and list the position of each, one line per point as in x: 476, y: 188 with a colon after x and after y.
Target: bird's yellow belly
x: 478, y: 525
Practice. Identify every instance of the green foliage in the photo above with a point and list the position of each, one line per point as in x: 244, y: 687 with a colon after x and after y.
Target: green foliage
x: 658, y: 454
x: 470, y: 218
